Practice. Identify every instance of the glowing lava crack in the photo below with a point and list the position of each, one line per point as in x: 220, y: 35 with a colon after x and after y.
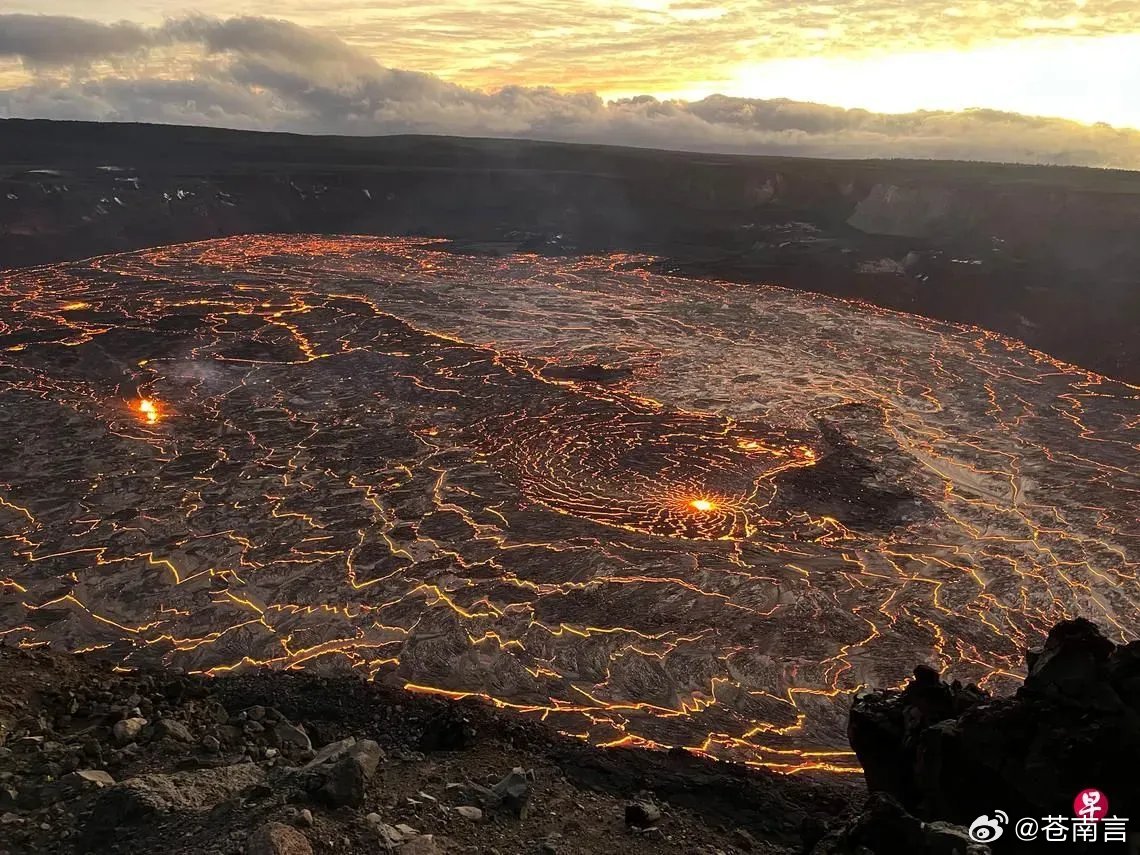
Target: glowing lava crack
x: 625, y: 463
x: 652, y: 511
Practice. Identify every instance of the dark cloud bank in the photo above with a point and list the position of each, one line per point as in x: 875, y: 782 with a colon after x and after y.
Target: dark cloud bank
x: 263, y: 74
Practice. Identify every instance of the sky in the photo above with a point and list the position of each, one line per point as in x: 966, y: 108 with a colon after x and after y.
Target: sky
x: 1028, y: 80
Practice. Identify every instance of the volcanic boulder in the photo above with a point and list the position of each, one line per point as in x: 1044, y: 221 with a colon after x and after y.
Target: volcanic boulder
x: 340, y: 773
x: 947, y: 752
x: 149, y: 797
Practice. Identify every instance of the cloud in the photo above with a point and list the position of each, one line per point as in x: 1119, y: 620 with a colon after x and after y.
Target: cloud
x: 271, y: 39
x: 645, y: 45
x: 264, y: 74
x: 41, y: 40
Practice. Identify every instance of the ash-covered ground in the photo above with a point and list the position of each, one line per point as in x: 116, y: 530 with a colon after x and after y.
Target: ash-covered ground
x: 647, y: 509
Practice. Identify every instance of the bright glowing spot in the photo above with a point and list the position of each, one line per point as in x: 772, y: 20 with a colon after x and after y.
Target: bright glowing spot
x: 702, y: 505
x: 1087, y: 79
x: 756, y: 445
x: 149, y: 409
x: 74, y: 307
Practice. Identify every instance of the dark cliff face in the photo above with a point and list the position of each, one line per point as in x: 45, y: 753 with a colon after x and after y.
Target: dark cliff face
x: 950, y: 752
x: 1046, y: 255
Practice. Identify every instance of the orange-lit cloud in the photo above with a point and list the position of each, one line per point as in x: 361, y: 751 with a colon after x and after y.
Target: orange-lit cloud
x: 645, y: 46
x: 582, y: 71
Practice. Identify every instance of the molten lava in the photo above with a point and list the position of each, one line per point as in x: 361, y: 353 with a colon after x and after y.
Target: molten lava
x: 149, y: 410
x: 736, y: 505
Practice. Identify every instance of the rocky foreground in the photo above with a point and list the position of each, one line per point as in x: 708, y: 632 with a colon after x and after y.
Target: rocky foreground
x: 291, y: 763
x: 280, y: 763
x: 937, y: 752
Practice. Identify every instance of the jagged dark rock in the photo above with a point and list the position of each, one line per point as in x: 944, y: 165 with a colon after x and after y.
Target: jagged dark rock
x: 947, y: 752
x: 339, y: 774
x: 167, y: 728
x: 146, y: 797
x: 513, y: 792
x: 642, y: 814
x: 349, y: 776
x: 885, y: 727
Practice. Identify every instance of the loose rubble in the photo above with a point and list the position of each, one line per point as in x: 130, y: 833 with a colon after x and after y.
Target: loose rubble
x: 272, y: 763
x: 275, y: 763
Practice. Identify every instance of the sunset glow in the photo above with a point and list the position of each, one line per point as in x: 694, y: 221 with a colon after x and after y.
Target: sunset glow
x: 636, y: 72
x: 1055, y: 76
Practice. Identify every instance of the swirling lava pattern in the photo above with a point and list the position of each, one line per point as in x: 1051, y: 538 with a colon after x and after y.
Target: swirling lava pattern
x: 652, y: 511
x: 627, y: 465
